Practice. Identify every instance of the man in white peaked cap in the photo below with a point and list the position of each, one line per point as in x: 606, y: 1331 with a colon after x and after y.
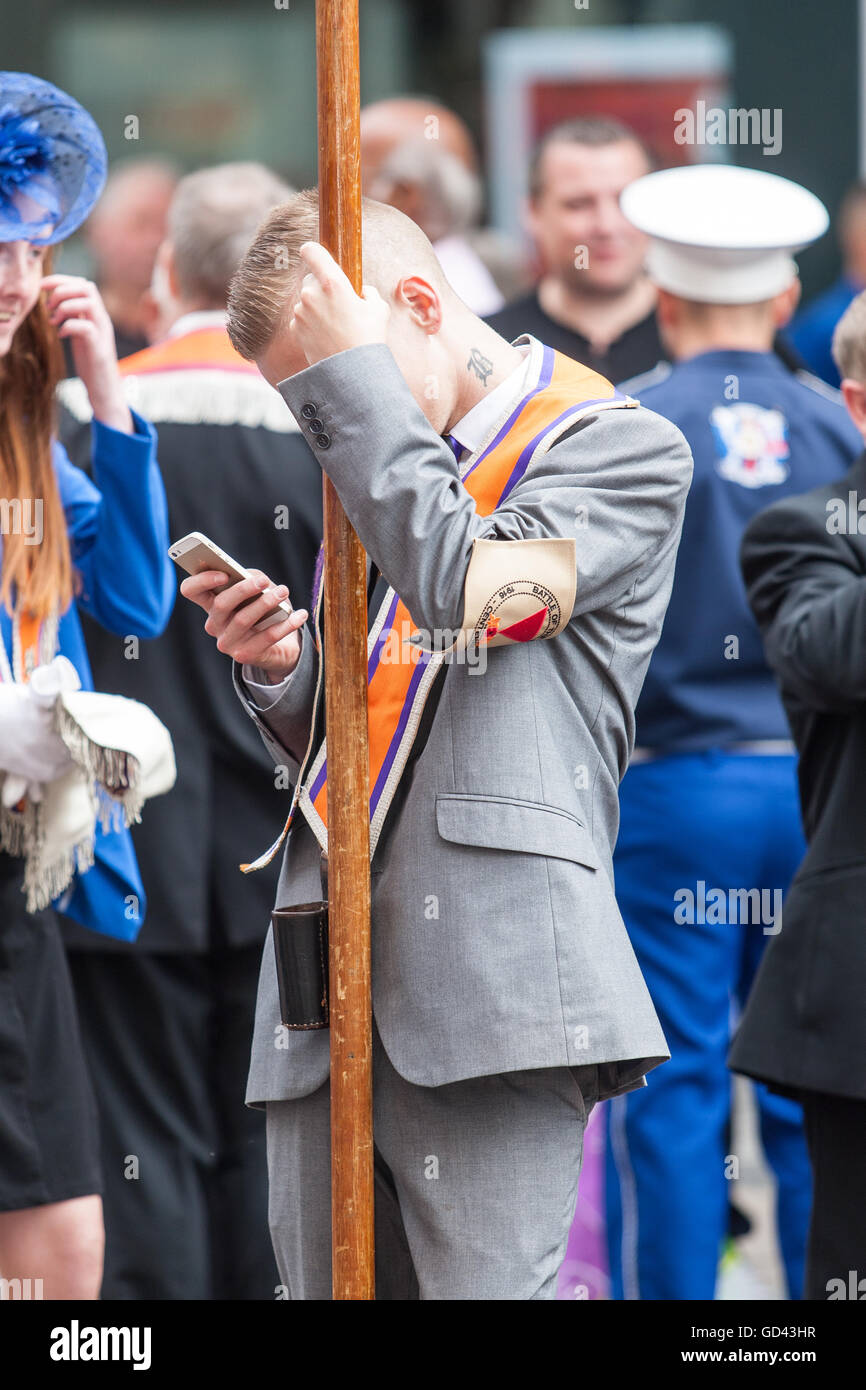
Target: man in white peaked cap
x: 710, y: 831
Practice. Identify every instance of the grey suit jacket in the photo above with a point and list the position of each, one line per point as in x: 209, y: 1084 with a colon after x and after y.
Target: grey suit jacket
x: 497, y: 942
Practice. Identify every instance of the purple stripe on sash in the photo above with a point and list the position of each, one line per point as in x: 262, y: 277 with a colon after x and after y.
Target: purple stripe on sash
x: 371, y: 667
x: 523, y: 462
x: 320, y: 778
x: 399, y: 731
x: 317, y: 576
x: 393, y: 745
x: 547, y: 364
x: 383, y: 634
x: 382, y: 638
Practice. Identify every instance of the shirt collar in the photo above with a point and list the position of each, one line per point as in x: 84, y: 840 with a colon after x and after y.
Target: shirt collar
x: 199, y: 318
x: 473, y: 428
x: 742, y: 359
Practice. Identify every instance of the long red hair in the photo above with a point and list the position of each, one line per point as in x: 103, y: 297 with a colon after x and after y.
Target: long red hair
x: 39, y: 577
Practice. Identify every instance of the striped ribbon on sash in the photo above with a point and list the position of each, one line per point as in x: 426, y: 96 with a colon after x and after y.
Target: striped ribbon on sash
x: 397, y: 690
x: 32, y: 641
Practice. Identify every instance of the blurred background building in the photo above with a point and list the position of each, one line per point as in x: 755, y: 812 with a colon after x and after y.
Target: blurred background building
x: 202, y: 83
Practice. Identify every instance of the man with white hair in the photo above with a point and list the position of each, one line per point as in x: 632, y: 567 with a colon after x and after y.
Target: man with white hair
x: 418, y: 156
x: 166, y: 1024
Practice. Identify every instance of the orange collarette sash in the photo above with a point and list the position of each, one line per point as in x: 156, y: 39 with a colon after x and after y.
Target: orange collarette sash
x: 397, y: 690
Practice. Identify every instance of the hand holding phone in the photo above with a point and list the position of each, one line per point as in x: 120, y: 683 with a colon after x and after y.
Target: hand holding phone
x: 251, y: 619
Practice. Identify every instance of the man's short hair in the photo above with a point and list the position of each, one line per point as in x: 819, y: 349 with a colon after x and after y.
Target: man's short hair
x: 595, y: 131
x: 260, y: 292
x: 849, y: 341
x: 211, y: 222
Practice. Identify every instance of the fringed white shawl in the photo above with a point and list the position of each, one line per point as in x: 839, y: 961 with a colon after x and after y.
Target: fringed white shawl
x: 123, y: 755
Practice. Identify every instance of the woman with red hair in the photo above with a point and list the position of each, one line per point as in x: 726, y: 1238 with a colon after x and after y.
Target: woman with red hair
x: 66, y: 540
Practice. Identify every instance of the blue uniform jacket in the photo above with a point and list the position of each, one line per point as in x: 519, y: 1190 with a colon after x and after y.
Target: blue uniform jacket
x: 758, y: 432
x: 118, y: 533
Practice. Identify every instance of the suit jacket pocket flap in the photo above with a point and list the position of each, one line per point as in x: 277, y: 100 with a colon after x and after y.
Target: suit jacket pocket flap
x: 529, y: 827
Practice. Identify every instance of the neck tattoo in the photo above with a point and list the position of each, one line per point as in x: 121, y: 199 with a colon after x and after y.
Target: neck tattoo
x: 480, y: 365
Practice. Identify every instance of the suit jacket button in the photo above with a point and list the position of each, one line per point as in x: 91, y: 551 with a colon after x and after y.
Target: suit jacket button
x: 323, y: 441
x: 316, y: 426
x: 309, y: 410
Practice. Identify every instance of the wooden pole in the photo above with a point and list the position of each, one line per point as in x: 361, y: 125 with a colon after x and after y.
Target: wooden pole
x: 345, y: 600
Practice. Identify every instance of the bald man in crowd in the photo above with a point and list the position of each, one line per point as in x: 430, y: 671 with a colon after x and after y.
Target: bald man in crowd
x: 387, y: 123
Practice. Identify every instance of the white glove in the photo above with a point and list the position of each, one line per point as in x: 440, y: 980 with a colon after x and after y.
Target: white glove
x: 30, y: 749
x: 51, y: 680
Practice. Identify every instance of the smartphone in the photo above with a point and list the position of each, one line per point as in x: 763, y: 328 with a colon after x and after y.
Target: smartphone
x: 196, y: 552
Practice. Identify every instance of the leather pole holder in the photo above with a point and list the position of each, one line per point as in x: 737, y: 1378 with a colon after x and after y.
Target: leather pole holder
x: 301, y: 950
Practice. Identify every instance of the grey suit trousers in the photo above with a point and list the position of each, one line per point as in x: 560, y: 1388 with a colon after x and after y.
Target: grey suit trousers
x: 475, y: 1183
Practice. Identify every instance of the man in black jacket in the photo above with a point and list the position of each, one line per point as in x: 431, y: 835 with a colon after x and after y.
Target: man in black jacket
x: 167, y: 1022
x: 804, y: 1028
x: 594, y: 301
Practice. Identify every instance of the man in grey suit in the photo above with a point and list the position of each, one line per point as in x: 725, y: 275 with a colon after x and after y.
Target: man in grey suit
x: 506, y: 996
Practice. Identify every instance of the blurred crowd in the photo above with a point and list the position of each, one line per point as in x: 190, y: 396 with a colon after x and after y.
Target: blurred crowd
x: 161, y: 1042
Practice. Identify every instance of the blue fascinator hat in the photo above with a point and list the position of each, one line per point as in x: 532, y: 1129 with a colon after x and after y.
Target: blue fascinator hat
x: 53, y: 162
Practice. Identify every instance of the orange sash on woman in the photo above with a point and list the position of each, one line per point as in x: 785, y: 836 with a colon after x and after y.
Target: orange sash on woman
x: 33, y: 644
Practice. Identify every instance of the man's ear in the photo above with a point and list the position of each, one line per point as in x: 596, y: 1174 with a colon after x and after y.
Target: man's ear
x: 166, y: 255
x: 669, y: 313
x: 422, y: 301
x: 667, y: 309
x: 785, y: 304
x: 854, y: 393
x: 530, y: 216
